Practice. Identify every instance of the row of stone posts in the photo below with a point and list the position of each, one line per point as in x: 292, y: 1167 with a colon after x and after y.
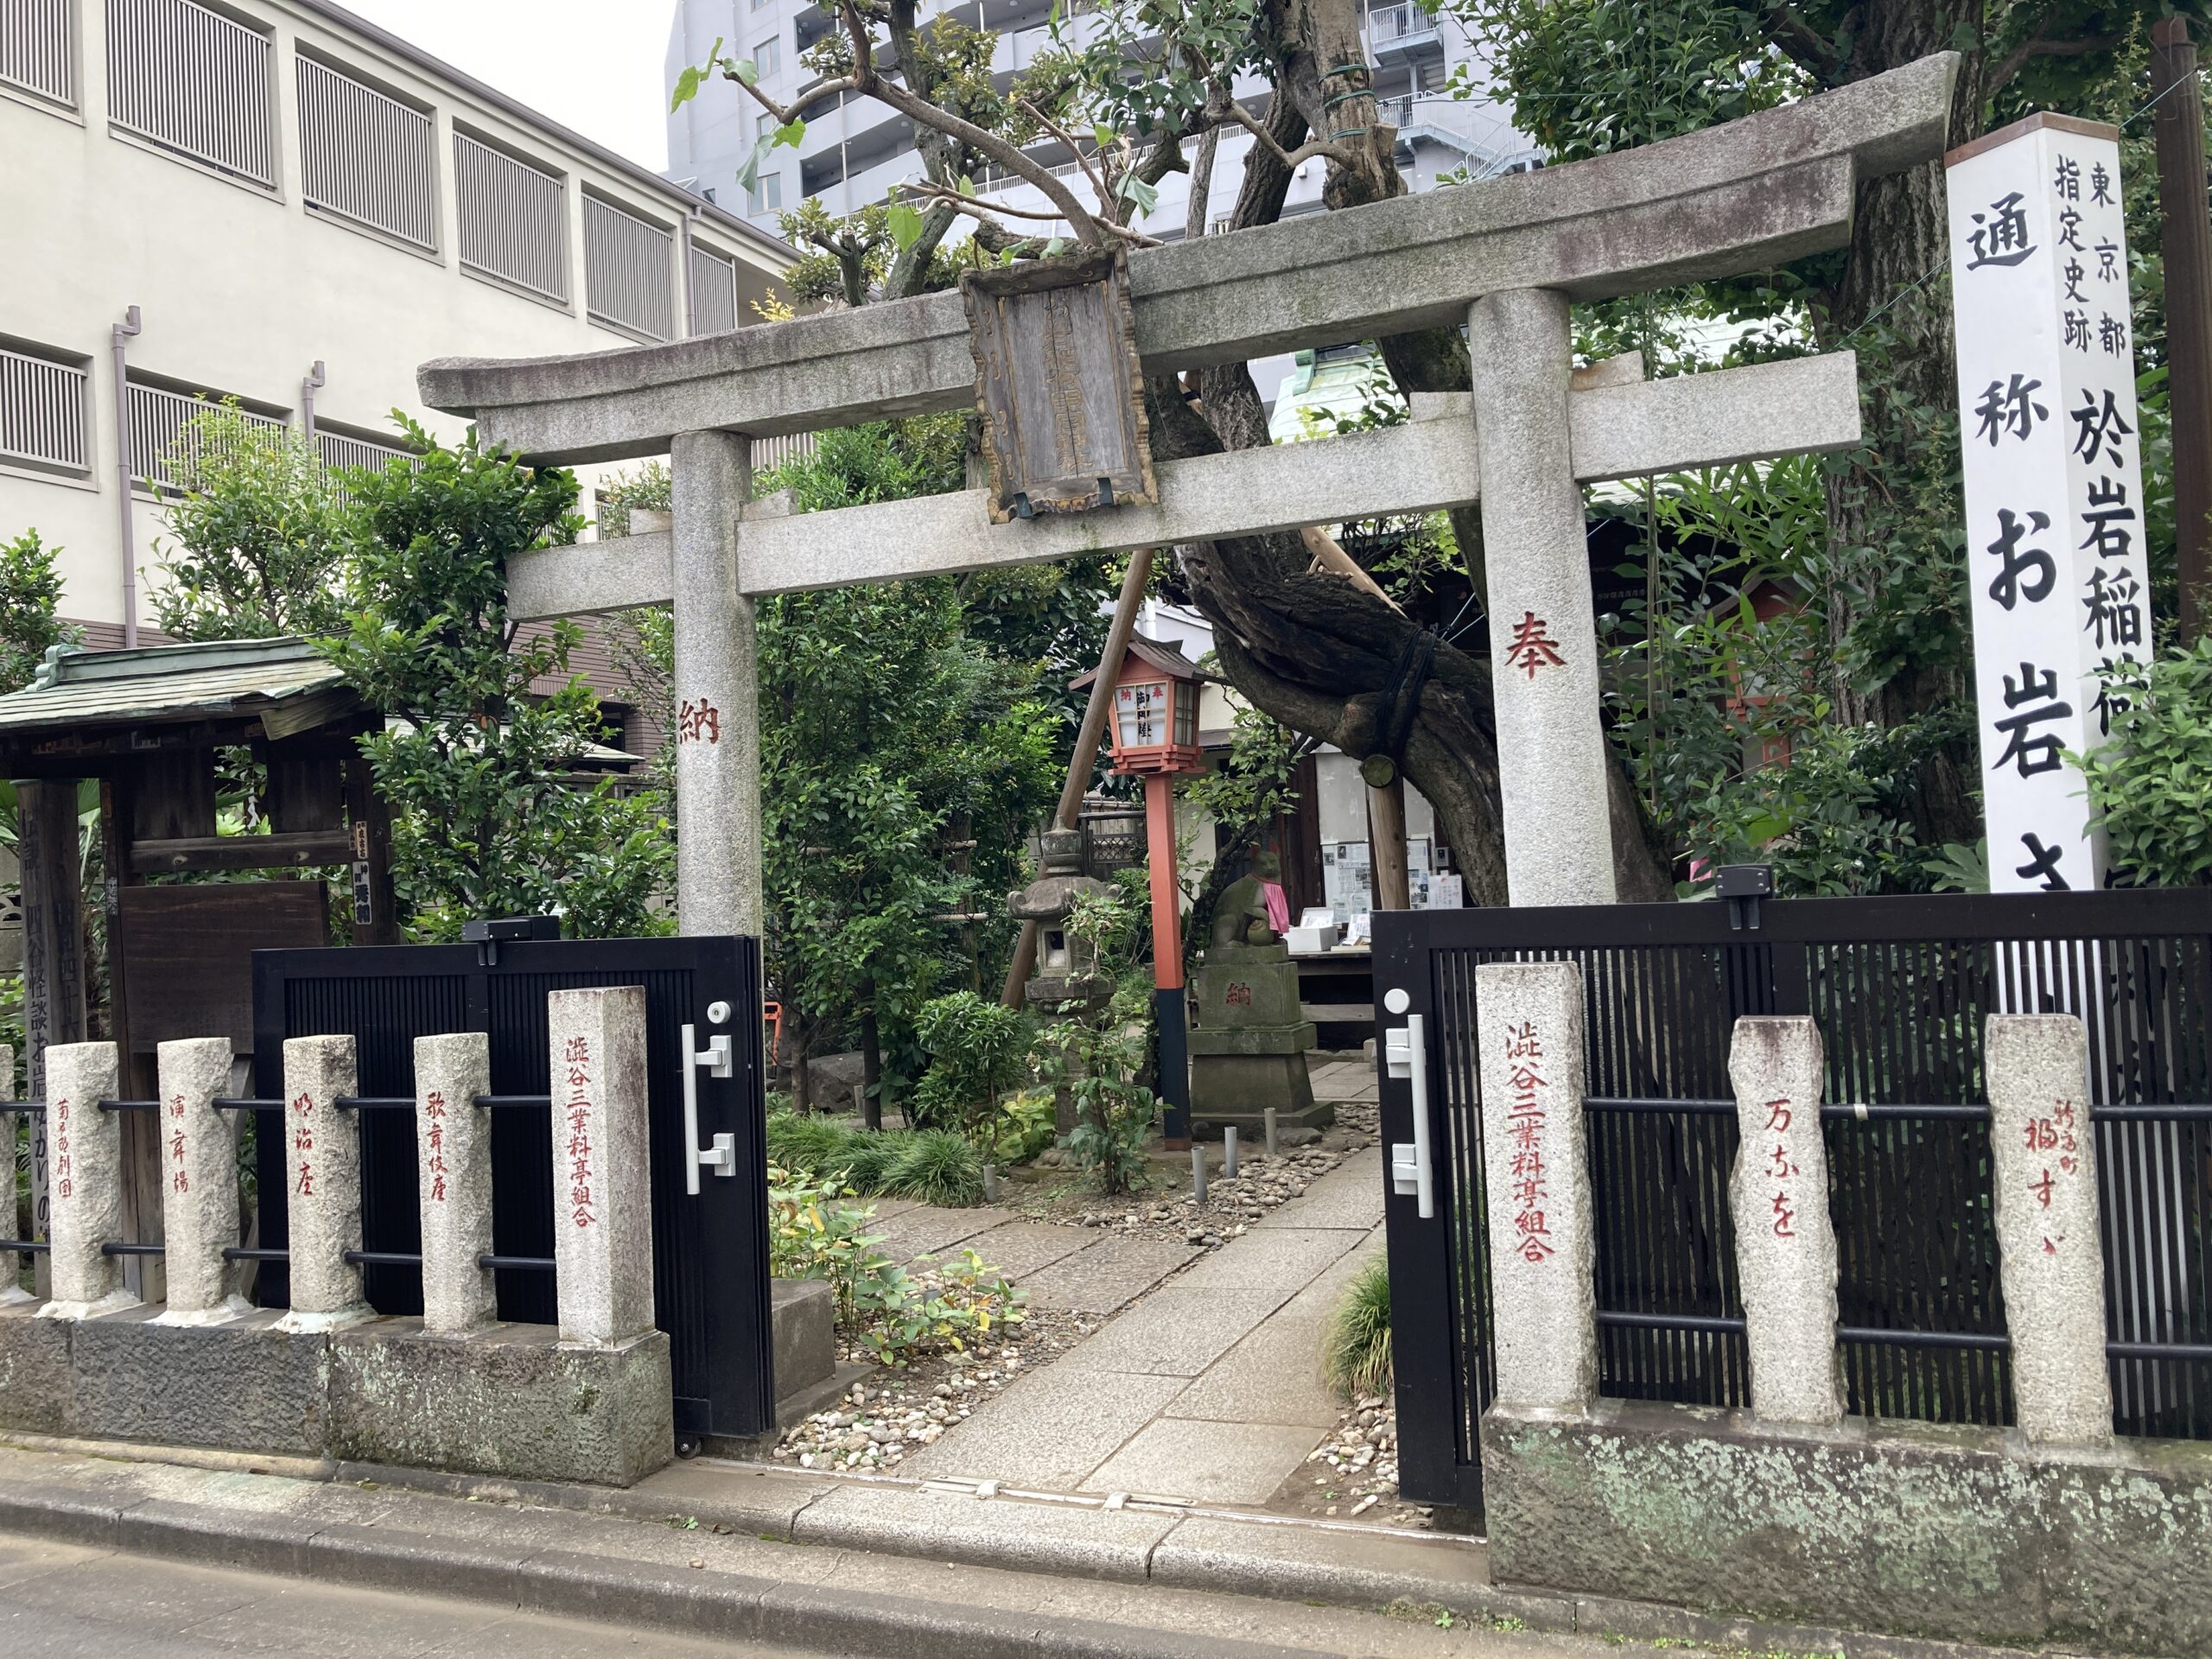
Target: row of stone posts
x: 603, y: 1254
x: 1542, y: 1226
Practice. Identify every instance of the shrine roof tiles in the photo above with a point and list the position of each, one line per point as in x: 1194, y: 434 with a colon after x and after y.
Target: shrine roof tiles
x: 77, y: 688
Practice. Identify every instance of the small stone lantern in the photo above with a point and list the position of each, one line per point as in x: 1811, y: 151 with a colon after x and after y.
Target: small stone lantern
x: 1066, y: 984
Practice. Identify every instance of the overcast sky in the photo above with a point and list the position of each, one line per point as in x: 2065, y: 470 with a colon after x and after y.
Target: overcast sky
x: 593, y: 65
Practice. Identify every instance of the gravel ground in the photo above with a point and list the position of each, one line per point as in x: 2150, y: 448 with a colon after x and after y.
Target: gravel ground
x: 1165, y: 1209
x: 1353, y: 1475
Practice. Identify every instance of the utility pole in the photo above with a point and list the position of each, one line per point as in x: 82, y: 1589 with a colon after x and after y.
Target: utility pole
x: 2187, y: 244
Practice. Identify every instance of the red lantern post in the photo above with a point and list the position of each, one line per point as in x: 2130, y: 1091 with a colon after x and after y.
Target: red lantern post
x: 1155, y: 735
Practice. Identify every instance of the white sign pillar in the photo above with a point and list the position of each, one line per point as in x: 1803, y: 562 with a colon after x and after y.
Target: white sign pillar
x: 2054, y: 483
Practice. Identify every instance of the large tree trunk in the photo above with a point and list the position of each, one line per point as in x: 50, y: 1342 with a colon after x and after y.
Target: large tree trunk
x: 1311, y: 650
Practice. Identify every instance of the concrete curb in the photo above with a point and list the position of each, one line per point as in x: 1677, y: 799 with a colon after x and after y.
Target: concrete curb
x: 1354, y: 1568
x: 569, y: 1584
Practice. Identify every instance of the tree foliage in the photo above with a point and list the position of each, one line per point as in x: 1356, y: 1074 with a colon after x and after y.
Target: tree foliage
x: 256, y: 545
x: 476, y: 764
x: 30, y: 596
x: 2150, y: 784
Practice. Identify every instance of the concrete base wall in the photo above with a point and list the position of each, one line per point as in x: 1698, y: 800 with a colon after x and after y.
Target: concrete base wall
x: 1913, y: 1529
x: 509, y: 1401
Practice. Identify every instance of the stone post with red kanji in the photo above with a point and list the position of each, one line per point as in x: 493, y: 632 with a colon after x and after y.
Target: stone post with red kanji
x: 85, y: 1168
x: 1785, y: 1241
x: 199, y: 1180
x: 453, y: 1141
x: 602, y: 1195
x: 2043, y: 1185
x: 1536, y: 1176
x: 322, y: 1188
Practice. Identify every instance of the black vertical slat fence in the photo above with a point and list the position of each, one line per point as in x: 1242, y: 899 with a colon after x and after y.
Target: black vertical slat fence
x: 1901, y: 988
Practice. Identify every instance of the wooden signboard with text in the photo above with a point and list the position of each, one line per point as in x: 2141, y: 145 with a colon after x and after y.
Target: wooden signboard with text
x: 1058, y: 385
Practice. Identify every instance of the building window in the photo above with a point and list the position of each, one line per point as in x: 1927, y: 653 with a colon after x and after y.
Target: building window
x: 768, y: 56
x: 368, y: 157
x: 194, y: 82
x: 765, y: 195
x: 158, y: 420
x: 713, y: 292
x: 44, y: 413
x: 626, y: 270
x: 513, y: 223
x: 37, y: 49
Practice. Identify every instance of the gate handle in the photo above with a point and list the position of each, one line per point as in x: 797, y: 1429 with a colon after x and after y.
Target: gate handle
x: 1412, y: 1169
x: 722, y: 1157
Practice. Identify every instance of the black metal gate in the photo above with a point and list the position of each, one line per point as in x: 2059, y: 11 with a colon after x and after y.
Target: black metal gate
x: 1900, y: 987
x: 710, y: 1252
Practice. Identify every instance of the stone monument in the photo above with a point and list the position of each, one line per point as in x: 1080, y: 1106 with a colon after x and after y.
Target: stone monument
x: 1248, y: 1049
x: 1066, y: 984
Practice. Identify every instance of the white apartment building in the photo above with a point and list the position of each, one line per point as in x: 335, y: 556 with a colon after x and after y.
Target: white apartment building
x: 275, y: 201
x: 855, y: 149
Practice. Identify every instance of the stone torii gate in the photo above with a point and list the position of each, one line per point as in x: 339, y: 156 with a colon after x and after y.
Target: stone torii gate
x: 1507, y: 257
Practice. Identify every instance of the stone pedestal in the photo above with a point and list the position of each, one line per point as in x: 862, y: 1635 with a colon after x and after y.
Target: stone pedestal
x: 1248, y: 1050
x: 323, y: 1199
x: 200, y: 1186
x: 2044, y: 1184
x: 602, y: 1202
x: 1542, y: 1230
x: 86, y: 1171
x: 1785, y: 1240
x: 453, y: 1143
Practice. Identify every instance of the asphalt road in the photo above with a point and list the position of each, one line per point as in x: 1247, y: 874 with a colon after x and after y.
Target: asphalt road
x: 57, y: 1600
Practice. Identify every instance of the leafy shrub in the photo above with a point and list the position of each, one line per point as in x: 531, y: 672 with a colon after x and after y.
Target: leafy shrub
x: 2150, y: 784
x: 1355, y: 1347
x: 978, y: 1049
x: 869, y: 1156
x: 936, y: 1166
x: 1023, y: 1126
x: 815, y: 1232
x: 1114, y: 1113
x: 906, y: 1315
x: 809, y: 1145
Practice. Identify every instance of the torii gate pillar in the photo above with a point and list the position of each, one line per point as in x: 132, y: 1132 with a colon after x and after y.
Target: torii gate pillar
x: 716, y: 691
x: 1552, y: 765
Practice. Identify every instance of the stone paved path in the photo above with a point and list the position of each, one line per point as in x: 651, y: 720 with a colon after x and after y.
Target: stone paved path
x: 1210, y: 1387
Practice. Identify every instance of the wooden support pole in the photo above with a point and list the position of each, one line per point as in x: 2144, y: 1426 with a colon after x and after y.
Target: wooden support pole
x: 2186, y: 241
x: 1085, y: 758
x: 53, y: 956
x: 1386, y: 840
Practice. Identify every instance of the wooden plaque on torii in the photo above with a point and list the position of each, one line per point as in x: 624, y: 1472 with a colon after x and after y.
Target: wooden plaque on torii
x: 1058, y: 385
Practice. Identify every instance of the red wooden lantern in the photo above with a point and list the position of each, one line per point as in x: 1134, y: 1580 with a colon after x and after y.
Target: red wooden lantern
x: 1155, y: 725
x: 1154, y: 734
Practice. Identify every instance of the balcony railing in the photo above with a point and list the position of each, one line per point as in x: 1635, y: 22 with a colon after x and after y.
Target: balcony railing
x: 512, y: 223
x: 36, y: 48
x: 1387, y: 24
x: 368, y: 157
x: 162, y: 432
x: 713, y: 292
x: 194, y: 82
x: 43, y: 413
x: 626, y: 270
